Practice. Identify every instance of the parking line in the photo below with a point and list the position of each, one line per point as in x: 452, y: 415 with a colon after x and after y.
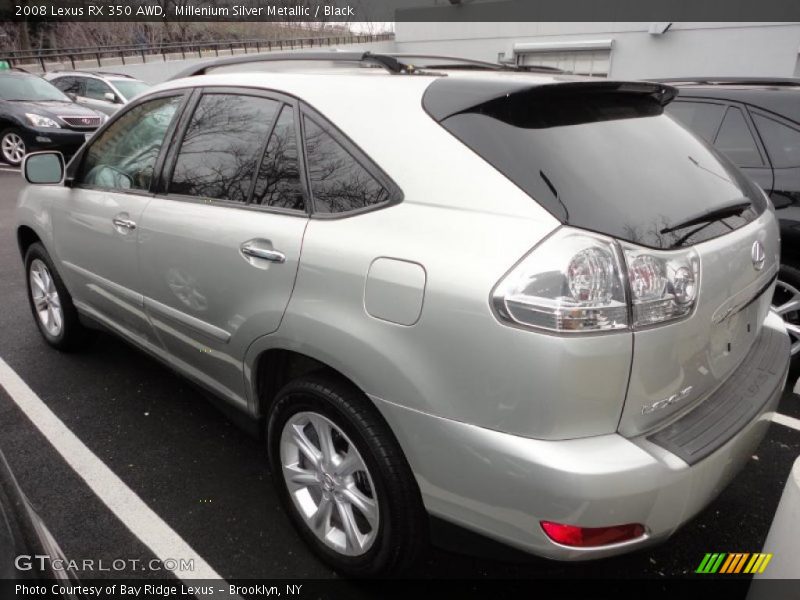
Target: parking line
x: 139, y: 518
x: 786, y: 420
x: 9, y: 170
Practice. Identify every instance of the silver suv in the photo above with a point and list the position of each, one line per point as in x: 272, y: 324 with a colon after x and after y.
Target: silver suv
x: 531, y: 305
x: 101, y: 91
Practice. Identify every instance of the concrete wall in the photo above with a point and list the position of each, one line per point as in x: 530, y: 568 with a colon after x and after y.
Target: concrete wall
x: 727, y: 49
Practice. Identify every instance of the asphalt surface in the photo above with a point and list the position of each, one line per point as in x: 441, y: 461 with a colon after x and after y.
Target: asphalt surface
x: 209, y: 481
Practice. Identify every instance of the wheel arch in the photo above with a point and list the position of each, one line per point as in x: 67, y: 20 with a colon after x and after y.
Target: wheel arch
x: 277, y: 366
x: 26, y: 237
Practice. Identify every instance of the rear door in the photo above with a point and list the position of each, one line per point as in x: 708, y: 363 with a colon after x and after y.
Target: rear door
x: 220, y: 246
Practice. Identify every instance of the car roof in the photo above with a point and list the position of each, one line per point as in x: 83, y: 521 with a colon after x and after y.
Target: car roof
x: 780, y: 96
x: 94, y: 74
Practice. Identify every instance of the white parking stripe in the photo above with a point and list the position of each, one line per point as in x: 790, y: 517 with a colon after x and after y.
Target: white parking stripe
x: 786, y: 420
x: 120, y: 499
x: 9, y: 170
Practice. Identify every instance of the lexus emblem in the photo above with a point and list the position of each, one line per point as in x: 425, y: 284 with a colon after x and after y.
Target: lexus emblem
x: 87, y: 121
x: 758, y: 256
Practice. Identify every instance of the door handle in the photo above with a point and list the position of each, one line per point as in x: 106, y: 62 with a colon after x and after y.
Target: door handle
x: 253, y: 251
x: 123, y: 224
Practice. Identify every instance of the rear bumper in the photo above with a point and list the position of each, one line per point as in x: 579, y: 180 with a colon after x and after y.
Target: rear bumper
x: 502, y: 485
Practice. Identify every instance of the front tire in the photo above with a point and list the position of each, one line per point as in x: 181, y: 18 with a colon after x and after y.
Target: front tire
x: 51, y: 304
x: 343, y: 479
x: 12, y: 147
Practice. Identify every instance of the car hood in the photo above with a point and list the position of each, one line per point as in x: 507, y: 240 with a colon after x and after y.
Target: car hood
x: 54, y: 108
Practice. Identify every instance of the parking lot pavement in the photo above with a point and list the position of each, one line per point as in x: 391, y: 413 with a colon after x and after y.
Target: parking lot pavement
x: 208, y: 481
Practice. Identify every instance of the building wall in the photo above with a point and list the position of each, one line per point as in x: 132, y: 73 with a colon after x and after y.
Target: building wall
x: 721, y: 49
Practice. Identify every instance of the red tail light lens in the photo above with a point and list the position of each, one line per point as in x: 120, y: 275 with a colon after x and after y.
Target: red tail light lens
x: 585, y: 537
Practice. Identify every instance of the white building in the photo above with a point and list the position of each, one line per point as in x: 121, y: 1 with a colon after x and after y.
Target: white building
x: 619, y: 50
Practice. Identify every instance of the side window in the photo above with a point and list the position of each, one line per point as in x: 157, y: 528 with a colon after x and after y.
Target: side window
x: 125, y: 154
x: 278, y: 183
x: 736, y: 141
x: 339, y: 183
x: 782, y: 141
x: 68, y: 85
x: 222, y: 147
x: 96, y: 89
x: 703, y: 118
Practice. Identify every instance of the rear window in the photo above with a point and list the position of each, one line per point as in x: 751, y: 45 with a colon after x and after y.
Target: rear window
x: 609, y: 161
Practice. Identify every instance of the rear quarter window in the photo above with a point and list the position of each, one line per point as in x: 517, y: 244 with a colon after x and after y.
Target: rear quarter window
x: 704, y: 118
x: 781, y: 140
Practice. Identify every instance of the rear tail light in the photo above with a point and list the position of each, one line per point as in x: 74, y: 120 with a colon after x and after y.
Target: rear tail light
x: 663, y: 284
x: 570, y: 282
x: 586, y: 537
x: 576, y: 281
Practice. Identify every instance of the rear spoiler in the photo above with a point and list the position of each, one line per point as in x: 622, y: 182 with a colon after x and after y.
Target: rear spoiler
x: 450, y: 96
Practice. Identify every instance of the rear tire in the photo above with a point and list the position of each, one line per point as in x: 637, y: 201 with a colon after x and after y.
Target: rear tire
x: 53, y: 311
x: 356, y: 504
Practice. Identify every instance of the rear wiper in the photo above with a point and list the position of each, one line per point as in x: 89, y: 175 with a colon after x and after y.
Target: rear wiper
x: 730, y: 210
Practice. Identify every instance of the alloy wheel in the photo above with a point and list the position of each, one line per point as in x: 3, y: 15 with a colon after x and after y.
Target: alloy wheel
x: 45, y: 298
x: 329, y: 483
x: 786, y: 302
x: 13, y: 148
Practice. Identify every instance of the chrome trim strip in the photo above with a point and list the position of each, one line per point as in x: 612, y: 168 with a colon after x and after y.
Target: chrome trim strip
x: 201, y: 326
x: 119, y: 290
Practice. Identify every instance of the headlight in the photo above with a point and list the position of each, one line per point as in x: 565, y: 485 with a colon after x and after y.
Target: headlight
x: 575, y: 281
x: 41, y: 121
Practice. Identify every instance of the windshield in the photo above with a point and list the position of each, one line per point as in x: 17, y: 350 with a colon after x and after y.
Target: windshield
x: 610, y: 162
x: 130, y: 88
x: 30, y: 88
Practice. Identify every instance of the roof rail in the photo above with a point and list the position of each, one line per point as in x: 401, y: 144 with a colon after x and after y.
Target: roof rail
x: 393, y: 63
x: 95, y: 73
x: 730, y: 80
x: 387, y: 62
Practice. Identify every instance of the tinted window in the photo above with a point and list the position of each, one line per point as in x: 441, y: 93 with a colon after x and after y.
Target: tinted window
x: 782, y: 141
x: 606, y: 160
x: 96, y: 89
x: 701, y: 117
x: 338, y: 181
x: 130, y: 87
x: 222, y: 147
x: 29, y: 87
x: 736, y: 141
x: 125, y: 154
x: 278, y: 182
x: 68, y: 85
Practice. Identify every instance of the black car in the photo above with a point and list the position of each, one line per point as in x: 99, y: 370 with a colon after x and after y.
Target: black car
x: 36, y: 115
x: 756, y: 123
x: 28, y: 551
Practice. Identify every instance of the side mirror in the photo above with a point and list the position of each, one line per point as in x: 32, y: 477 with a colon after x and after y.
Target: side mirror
x: 72, y: 96
x: 110, y: 97
x: 44, y: 168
